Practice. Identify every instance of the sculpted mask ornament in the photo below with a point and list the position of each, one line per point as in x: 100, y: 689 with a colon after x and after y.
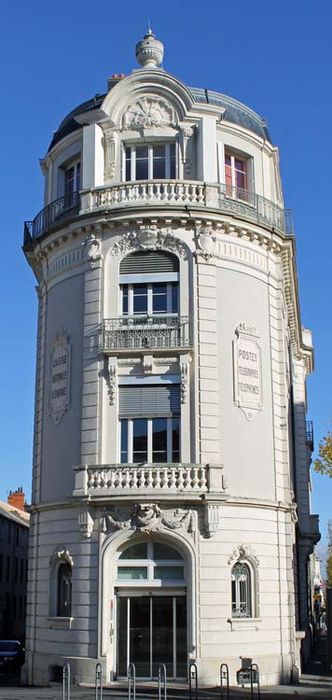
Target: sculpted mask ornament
x: 149, y: 238
x: 148, y: 113
x: 147, y: 517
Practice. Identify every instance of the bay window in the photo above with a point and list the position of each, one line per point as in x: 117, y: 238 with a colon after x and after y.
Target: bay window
x: 152, y: 161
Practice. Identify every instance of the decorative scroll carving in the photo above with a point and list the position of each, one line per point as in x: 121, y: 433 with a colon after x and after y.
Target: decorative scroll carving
x: 110, y: 141
x: 212, y: 518
x: 244, y: 551
x: 247, y: 369
x: 205, y: 242
x: 92, y: 246
x: 111, y: 379
x: 60, y: 368
x: 85, y: 523
x: 149, y: 238
x: 184, y: 369
x: 148, y: 518
x: 148, y: 113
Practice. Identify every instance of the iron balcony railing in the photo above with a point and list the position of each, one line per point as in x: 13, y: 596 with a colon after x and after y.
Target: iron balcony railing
x: 253, y: 206
x: 310, y: 435
x: 55, y: 214
x: 164, y: 193
x: 144, y: 332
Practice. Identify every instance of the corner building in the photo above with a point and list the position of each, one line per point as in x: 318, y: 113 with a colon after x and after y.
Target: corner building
x: 170, y: 516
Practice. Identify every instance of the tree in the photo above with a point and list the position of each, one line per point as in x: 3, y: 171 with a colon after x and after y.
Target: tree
x: 323, y: 465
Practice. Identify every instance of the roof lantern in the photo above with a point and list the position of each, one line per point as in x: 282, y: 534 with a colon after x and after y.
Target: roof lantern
x: 150, y: 51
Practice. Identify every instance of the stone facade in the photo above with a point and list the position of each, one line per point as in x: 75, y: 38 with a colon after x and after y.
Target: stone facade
x: 155, y: 172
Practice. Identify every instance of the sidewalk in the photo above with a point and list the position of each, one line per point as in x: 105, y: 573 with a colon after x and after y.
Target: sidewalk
x: 314, y: 690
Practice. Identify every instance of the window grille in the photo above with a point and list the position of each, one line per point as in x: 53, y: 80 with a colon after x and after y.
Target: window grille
x: 241, y: 591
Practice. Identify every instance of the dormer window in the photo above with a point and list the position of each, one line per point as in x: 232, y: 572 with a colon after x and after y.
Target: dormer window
x: 153, y: 161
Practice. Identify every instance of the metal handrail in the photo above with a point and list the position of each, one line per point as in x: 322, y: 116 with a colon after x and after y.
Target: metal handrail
x: 254, y: 206
x: 162, y: 682
x: 224, y: 676
x: 131, y: 675
x: 98, y: 682
x: 193, y: 678
x: 66, y: 682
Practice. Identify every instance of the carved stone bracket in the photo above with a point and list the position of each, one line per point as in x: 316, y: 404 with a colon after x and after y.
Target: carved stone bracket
x: 148, y: 364
x: 244, y: 552
x: 206, y: 242
x: 110, y: 143
x: 186, y: 133
x: 184, y: 370
x: 61, y: 555
x: 148, y: 518
x: 92, y: 247
x: 85, y: 523
x: 212, y: 518
x: 149, y: 238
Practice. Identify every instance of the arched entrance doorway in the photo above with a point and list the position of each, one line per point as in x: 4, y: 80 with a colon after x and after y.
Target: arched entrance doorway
x: 151, y: 609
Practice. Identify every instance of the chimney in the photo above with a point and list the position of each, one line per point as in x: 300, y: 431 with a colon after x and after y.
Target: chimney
x: 17, y: 498
x: 114, y: 79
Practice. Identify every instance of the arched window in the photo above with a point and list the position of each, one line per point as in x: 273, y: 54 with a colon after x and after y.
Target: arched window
x: 151, y: 561
x: 241, y: 590
x: 64, y: 590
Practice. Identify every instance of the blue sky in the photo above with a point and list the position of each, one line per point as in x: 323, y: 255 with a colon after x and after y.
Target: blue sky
x: 274, y: 56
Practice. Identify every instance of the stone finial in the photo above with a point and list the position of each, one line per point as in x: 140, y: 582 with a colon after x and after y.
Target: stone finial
x: 149, y: 51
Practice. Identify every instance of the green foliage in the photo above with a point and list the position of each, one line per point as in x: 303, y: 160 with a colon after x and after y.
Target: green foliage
x: 323, y: 465
x: 329, y: 571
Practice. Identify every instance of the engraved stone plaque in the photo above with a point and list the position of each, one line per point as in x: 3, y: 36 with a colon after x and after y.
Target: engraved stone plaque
x: 247, y: 365
x: 60, y: 360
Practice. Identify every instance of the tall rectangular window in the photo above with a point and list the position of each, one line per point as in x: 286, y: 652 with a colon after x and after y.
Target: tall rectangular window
x: 72, y: 183
x: 149, y: 423
x: 236, y: 175
x: 150, y: 162
x: 150, y: 299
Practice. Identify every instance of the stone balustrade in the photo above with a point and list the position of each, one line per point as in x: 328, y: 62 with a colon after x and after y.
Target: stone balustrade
x: 161, y: 479
x: 238, y: 203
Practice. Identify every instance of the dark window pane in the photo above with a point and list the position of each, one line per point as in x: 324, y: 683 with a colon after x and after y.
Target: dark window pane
x: 159, y: 163
x: 140, y: 300
x: 122, y: 636
x: 176, y: 440
x: 175, y: 297
x: 159, y: 298
x: 125, y: 299
x: 136, y: 551
x: 140, y: 440
x: 64, y: 590
x: 170, y: 573
x: 163, y: 551
x: 172, y: 161
x: 124, y: 441
x: 159, y: 440
x: 181, y: 636
x: 142, y: 163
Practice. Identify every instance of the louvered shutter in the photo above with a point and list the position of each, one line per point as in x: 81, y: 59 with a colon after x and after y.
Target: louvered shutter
x: 161, y: 401
x: 148, y: 262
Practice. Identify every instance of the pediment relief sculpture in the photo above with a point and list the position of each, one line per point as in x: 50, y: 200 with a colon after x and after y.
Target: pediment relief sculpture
x: 149, y: 113
x: 147, y: 517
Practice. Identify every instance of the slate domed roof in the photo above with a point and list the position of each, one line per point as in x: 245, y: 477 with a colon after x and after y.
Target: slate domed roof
x: 235, y: 112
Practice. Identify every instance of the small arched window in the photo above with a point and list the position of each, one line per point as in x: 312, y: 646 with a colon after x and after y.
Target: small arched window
x: 64, y: 590
x: 241, y: 590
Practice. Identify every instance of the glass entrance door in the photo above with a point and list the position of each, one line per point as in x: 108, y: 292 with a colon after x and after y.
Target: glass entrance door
x: 151, y: 631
